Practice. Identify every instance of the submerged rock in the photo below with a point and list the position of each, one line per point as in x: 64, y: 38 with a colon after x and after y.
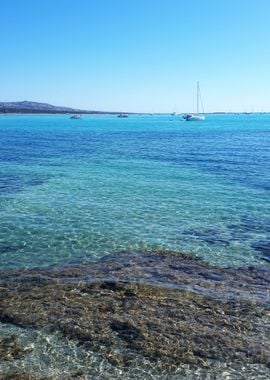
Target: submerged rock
x: 171, y: 309
x: 11, y: 375
x: 263, y: 246
x: 11, y: 348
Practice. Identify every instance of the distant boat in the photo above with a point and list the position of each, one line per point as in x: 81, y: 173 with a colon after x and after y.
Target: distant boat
x: 197, y: 116
x: 122, y: 115
x: 175, y: 113
x: 75, y: 116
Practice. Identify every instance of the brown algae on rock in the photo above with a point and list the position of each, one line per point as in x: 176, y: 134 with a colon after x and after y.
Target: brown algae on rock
x: 171, y: 309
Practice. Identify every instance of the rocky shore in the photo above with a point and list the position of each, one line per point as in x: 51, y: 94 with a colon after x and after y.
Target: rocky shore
x: 172, y: 310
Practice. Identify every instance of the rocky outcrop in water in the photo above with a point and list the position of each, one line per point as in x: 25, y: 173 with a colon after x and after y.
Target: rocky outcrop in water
x: 171, y: 309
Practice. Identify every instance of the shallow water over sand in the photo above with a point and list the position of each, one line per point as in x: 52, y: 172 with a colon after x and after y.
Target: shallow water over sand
x: 85, y: 188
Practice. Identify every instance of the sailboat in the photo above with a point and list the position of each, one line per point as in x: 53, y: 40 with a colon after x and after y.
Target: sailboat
x: 174, y: 113
x: 197, y: 116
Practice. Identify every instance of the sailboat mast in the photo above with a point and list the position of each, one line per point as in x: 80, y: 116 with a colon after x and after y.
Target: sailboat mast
x: 196, y: 116
x: 198, y: 95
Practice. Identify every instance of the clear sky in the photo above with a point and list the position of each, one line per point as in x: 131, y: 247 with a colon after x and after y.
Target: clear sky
x: 137, y: 55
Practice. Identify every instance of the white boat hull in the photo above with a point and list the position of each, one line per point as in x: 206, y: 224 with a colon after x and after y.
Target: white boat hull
x: 194, y: 117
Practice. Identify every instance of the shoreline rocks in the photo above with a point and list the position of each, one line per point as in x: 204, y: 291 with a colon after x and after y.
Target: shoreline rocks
x: 170, y: 309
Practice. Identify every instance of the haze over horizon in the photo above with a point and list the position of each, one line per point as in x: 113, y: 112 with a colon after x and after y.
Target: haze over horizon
x: 142, y: 56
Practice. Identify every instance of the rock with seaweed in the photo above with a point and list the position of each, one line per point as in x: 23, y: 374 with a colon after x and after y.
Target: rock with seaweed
x: 170, y: 308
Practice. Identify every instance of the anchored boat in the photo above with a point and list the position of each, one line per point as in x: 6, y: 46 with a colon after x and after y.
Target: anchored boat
x: 197, y: 116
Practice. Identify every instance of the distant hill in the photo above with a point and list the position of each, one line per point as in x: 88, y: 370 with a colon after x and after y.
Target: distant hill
x: 36, y: 107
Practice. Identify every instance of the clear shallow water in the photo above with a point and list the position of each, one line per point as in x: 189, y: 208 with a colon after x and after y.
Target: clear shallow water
x: 72, y: 189
x: 82, y: 189
x: 49, y: 354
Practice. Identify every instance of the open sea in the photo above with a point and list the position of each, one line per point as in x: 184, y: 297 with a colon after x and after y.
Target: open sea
x: 74, y: 191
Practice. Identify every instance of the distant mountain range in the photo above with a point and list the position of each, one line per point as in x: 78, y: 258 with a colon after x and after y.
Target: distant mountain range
x: 36, y: 107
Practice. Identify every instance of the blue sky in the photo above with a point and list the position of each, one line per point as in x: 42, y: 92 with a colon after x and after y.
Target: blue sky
x: 137, y: 55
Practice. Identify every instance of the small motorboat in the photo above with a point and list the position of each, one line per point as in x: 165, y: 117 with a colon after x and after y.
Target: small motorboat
x: 122, y: 115
x: 75, y: 116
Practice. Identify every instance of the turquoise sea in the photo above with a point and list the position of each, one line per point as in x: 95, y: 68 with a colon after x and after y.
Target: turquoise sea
x: 73, y: 189
x: 95, y: 214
